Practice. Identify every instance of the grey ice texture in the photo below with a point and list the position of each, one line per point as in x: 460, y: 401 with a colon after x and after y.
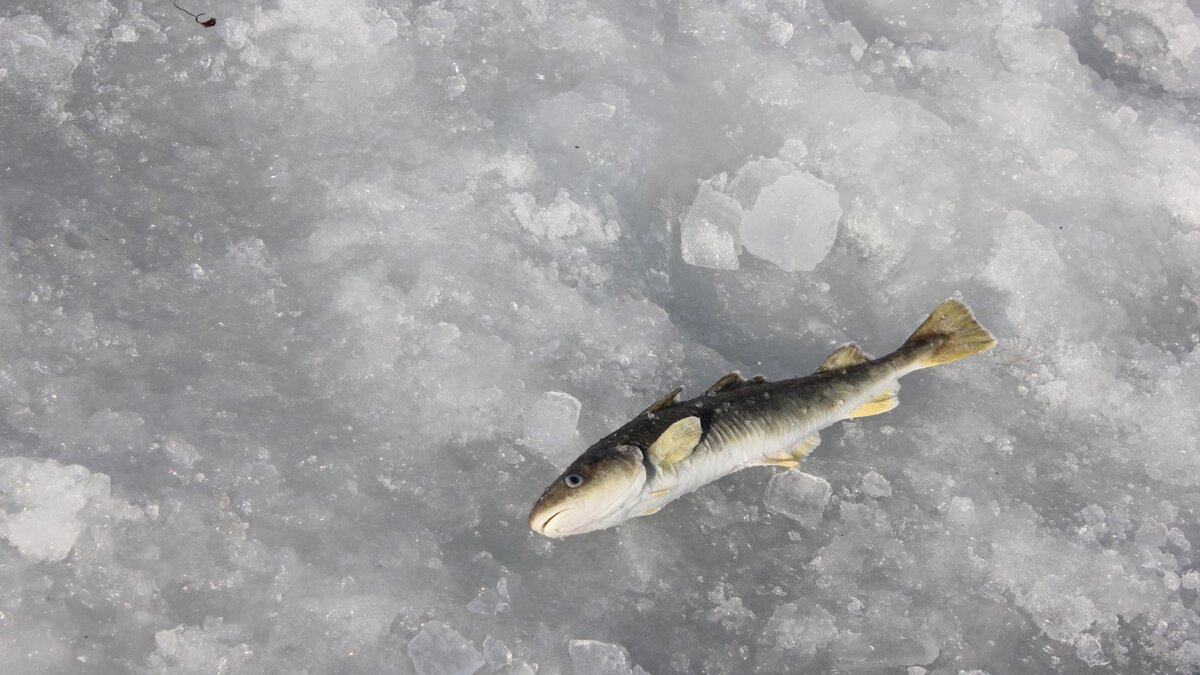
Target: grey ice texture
x: 301, y: 312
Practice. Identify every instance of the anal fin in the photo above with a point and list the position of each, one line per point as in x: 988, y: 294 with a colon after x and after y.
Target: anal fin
x: 879, y: 403
x: 792, y: 459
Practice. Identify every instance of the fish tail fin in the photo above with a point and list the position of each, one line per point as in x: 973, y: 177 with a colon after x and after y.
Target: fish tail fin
x: 949, y: 333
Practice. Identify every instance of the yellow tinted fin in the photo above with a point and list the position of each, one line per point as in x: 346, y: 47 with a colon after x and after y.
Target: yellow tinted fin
x: 729, y: 381
x: 792, y: 459
x: 845, y: 356
x: 665, y: 402
x: 879, y: 403
x: 677, y: 442
x: 952, y: 332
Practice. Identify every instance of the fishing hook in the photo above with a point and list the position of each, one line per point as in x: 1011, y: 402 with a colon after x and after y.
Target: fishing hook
x: 207, y: 23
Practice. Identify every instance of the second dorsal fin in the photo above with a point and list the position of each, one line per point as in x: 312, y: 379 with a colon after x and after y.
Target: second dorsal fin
x: 728, y: 381
x: 666, y: 401
x: 845, y: 356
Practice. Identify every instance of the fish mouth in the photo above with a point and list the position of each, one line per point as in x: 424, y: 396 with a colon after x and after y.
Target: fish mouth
x: 541, y: 528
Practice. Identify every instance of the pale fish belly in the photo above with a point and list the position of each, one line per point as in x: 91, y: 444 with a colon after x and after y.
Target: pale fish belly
x: 727, y: 449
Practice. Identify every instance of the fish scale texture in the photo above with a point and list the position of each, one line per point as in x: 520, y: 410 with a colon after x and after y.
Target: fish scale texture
x: 299, y: 313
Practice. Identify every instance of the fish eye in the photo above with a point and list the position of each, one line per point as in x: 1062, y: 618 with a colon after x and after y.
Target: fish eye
x: 573, y: 480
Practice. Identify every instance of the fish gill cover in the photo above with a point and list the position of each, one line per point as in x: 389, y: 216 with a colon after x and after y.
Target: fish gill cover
x: 299, y: 311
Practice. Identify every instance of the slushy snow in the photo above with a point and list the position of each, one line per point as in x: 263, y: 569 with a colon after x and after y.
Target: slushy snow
x: 300, y: 313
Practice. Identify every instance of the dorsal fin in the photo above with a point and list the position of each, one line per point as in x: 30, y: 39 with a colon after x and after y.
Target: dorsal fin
x: 845, y: 356
x: 733, y: 381
x: 666, y: 401
x: 729, y: 381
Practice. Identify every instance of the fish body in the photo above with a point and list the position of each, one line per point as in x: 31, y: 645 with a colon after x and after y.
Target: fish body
x: 674, y: 447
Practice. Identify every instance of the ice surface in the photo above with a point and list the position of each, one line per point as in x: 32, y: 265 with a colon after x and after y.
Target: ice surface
x: 440, y: 650
x: 798, y: 495
x: 300, y: 313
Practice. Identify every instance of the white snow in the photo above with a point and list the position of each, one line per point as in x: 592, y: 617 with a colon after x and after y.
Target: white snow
x: 300, y: 313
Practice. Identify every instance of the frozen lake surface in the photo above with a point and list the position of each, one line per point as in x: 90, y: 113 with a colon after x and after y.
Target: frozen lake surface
x: 299, y: 314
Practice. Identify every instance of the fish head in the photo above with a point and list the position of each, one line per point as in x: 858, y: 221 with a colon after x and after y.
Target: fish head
x: 598, y: 490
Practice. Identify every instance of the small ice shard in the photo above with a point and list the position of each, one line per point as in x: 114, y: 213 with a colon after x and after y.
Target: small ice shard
x: 496, y: 653
x: 875, y: 485
x: 793, y: 150
x: 793, y: 223
x: 961, y: 514
x: 848, y: 36
x: 708, y: 231
x: 439, y: 650
x: 550, y: 426
x: 590, y: 657
x: 798, y: 496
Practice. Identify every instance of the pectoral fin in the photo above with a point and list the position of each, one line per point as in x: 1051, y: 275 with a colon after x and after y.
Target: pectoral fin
x: 677, y: 442
x: 879, y: 403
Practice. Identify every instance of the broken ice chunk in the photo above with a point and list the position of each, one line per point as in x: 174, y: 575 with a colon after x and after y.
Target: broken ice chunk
x: 550, y: 426
x: 439, y: 650
x: 708, y: 231
x: 591, y: 657
x: 793, y: 222
x: 798, y: 496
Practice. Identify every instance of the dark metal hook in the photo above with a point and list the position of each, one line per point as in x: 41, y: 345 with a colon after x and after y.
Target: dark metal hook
x: 207, y: 23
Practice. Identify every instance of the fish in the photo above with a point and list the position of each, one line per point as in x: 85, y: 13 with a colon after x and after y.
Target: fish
x: 674, y: 447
